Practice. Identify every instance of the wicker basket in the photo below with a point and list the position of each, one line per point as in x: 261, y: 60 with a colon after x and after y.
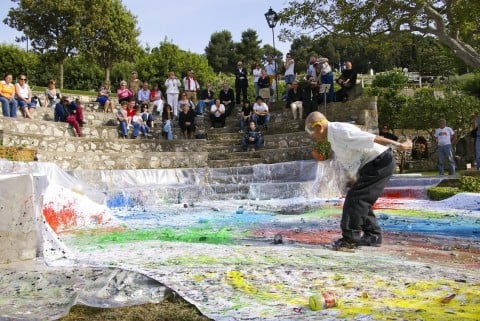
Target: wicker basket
x: 21, y: 154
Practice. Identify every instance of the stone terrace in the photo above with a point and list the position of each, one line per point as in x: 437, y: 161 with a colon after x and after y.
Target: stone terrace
x: 101, y: 148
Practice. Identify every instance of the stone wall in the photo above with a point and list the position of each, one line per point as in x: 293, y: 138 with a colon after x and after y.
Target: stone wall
x: 18, y: 231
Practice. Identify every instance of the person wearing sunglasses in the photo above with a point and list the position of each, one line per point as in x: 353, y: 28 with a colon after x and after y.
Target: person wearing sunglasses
x: 369, y: 163
x: 23, y: 93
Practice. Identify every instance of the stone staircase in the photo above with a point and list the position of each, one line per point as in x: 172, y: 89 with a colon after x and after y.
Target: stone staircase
x: 101, y: 147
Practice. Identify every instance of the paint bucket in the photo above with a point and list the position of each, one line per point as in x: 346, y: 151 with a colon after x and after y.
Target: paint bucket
x: 324, y: 301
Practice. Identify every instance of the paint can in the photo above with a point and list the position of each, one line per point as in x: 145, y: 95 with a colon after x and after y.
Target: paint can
x: 329, y: 300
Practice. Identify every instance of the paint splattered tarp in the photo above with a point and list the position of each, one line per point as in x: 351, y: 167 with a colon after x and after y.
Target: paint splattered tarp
x: 209, y: 237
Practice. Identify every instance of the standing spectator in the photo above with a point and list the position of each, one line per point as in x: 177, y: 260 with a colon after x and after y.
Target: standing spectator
x: 347, y: 80
x: 444, y: 137
x: 7, y: 96
x: 122, y: 119
x: 312, y: 67
x: 167, y: 118
x: 147, y: 117
x: 134, y: 84
x: 252, y: 136
x: 207, y: 97
x: 217, y: 114
x: 241, y: 82
x: 172, y: 84
x: 289, y: 69
x: 156, y: 98
x: 385, y: 132
x: 66, y: 111
x: 52, y: 95
x: 24, y: 97
x: 143, y: 95
x: 186, y: 121
x: 369, y: 164
x: 191, y: 86
x: 227, y: 98
x: 295, y: 100
x: 257, y: 71
x: 123, y: 93
x: 103, y: 97
x: 271, y: 69
x: 261, y: 115
x: 264, y: 86
x: 245, y: 115
x: 326, y: 77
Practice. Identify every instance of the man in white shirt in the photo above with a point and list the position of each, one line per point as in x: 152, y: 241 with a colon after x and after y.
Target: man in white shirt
x: 289, y: 69
x: 369, y: 164
x: 444, y: 137
x: 217, y: 114
x: 191, y: 86
x: 261, y: 115
x: 271, y: 69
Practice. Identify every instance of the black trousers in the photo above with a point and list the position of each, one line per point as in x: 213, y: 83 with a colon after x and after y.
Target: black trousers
x: 241, y: 89
x: 357, y: 217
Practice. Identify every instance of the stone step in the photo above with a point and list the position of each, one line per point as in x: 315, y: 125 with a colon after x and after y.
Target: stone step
x: 234, y: 155
x: 124, y: 160
x: 221, y: 163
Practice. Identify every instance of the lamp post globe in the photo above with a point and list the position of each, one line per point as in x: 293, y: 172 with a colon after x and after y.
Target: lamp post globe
x: 272, y: 19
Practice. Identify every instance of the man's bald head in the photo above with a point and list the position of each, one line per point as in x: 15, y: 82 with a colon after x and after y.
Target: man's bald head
x: 314, y: 117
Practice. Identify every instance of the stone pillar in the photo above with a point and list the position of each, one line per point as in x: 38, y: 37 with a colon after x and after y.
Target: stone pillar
x: 18, y: 223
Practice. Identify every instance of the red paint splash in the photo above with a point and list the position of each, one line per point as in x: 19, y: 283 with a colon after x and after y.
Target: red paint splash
x: 62, y: 219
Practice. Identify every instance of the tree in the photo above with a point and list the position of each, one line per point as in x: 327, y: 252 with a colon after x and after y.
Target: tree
x: 220, y: 51
x: 248, y: 49
x: 51, y: 25
x: 454, y: 23
x: 109, y: 33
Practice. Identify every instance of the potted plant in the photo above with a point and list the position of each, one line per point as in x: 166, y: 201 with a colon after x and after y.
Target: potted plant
x: 17, y: 153
x: 321, y: 151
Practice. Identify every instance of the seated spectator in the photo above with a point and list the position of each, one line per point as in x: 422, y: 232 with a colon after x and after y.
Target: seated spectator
x: 311, y: 96
x: 206, y: 98
x: 7, y: 96
x: 23, y: 94
x: 122, y: 119
x: 261, y: 115
x: 143, y: 95
x: 245, y: 115
x: 130, y: 111
x: 184, y: 100
x: 156, y: 97
x: 264, y: 86
x: 66, y: 111
x: 385, y: 132
x: 123, y: 93
x: 186, y: 121
x: 217, y: 114
x: 167, y: 121
x: 103, y: 97
x: 52, y: 95
x: 147, y: 117
x: 285, y: 94
x: 79, y: 105
x: 227, y: 98
x: 295, y: 100
x: 347, y: 80
x: 139, y: 126
x: 252, y: 137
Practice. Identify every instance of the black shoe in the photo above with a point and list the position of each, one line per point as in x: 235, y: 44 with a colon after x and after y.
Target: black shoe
x: 371, y: 240
x: 343, y: 243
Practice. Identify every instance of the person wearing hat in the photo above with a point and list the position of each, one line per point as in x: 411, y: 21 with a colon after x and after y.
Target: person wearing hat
x: 123, y: 93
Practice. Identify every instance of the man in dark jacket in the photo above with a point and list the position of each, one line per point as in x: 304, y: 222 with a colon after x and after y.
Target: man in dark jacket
x: 66, y: 111
x: 252, y: 137
x: 241, y: 82
x: 227, y: 98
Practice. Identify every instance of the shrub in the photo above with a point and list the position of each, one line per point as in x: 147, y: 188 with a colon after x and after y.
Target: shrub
x: 391, y: 79
x: 470, y: 184
x: 441, y: 193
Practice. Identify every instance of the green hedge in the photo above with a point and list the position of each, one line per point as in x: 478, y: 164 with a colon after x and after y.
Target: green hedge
x: 441, y: 193
x: 466, y: 183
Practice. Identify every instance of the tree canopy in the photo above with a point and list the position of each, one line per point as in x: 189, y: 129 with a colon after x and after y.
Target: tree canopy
x: 456, y: 24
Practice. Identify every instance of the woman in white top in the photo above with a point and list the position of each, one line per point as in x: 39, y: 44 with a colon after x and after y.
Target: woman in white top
x: 172, y: 84
x: 24, y: 97
x: 52, y: 94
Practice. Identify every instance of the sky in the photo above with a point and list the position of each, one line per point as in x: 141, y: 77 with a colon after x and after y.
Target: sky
x: 188, y: 24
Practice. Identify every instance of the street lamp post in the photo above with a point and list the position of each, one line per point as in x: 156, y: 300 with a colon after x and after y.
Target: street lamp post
x: 272, y: 19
